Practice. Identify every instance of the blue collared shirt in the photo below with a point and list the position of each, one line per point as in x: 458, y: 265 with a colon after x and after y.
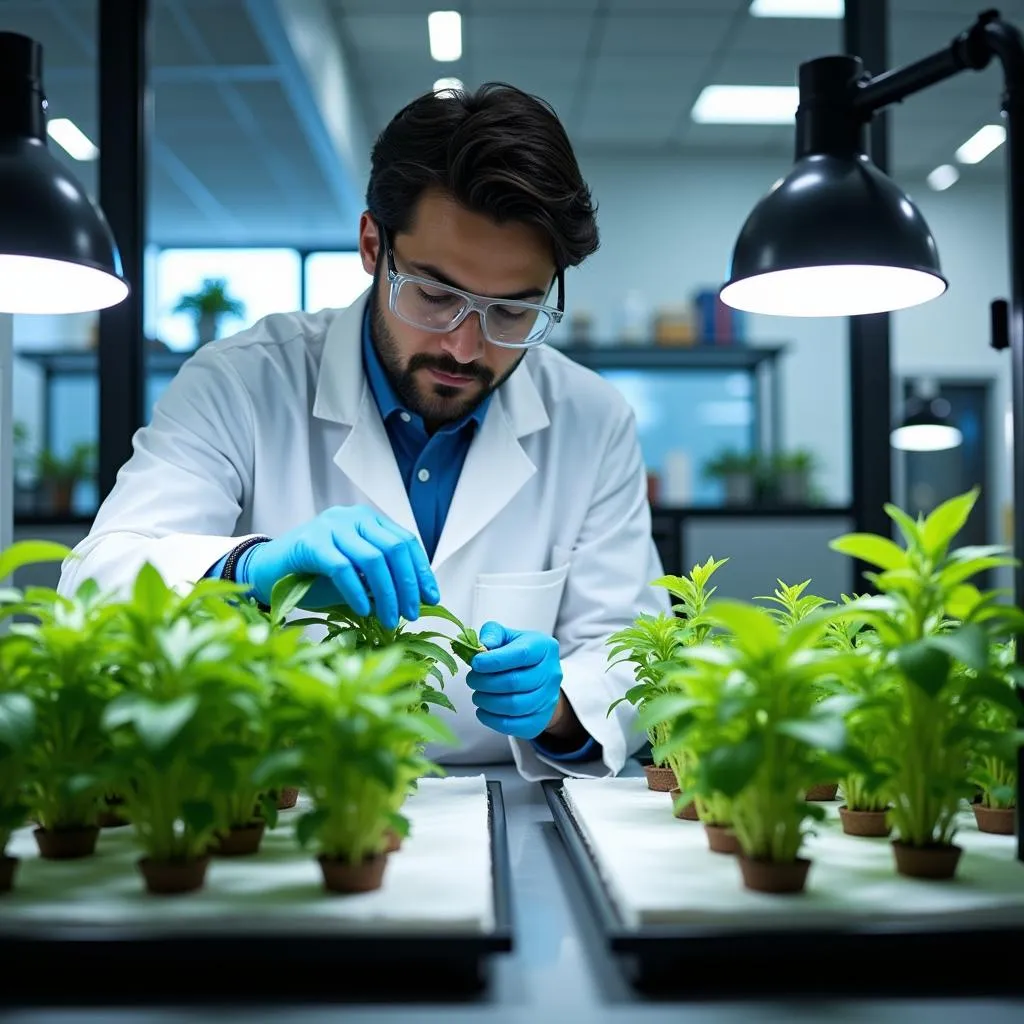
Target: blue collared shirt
x: 430, y: 464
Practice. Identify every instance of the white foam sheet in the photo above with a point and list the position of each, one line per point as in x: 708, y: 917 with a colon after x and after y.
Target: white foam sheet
x: 440, y: 882
x: 658, y: 870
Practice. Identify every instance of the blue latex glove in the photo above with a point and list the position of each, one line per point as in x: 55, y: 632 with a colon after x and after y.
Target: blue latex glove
x: 517, y: 681
x: 361, y: 555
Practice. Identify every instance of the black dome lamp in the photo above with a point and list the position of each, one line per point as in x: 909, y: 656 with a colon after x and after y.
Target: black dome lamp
x: 926, y: 425
x: 57, y: 252
x: 835, y: 237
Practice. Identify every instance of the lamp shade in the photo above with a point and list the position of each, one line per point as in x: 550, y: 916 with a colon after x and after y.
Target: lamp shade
x: 926, y: 427
x: 57, y: 252
x: 835, y: 237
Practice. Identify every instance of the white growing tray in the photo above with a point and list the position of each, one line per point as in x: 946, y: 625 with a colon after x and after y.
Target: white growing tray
x: 441, y: 882
x: 657, y: 871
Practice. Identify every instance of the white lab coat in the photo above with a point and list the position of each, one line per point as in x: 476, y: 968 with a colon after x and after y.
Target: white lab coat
x: 549, y: 526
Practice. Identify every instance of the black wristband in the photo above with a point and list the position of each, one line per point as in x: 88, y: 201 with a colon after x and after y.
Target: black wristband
x: 231, y: 564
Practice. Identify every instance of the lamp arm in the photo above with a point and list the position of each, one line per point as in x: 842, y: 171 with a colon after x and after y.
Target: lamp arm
x: 972, y: 50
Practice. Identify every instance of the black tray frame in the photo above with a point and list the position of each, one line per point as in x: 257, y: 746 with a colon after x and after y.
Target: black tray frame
x: 100, y: 964
x: 858, y: 958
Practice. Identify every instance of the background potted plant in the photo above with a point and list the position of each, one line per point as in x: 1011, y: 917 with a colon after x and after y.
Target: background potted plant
x: 59, y: 475
x: 792, y: 476
x: 207, y: 306
x: 939, y: 637
x: 738, y: 472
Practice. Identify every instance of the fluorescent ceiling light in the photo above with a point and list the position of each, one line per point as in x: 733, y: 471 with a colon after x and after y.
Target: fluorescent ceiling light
x: 746, y: 104
x: 449, y: 84
x: 798, y: 8
x: 72, y: 139
x: 445, y: 28
x: 981, y: 143
x: 942, y: 177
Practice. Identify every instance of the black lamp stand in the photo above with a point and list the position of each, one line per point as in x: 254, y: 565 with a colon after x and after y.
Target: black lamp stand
x: 839, y: 115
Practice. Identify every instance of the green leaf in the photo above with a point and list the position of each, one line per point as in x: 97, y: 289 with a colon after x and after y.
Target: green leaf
x: 997, y: 690
x: 464, y: 652
x: 729, y: 769
x: 286, y: 594
x: 753, y: 628
x: 277, y: 767
x: 12, y: 816
x: 909, y: 529
x: 30, y: 552
x: 17, y: 721
x: 665, y: 708
x: 198, y: 815
x: 157, y: 725
x: 927, y: 667
x: 946, y: 521
x: 309, y: 824
x: 150, y: 593
x: 437, y: 697
x: 869, y: 547
x: 968, y: 644
x: 827, y: 733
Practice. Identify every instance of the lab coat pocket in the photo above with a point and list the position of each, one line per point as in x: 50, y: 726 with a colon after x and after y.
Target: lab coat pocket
x: 520, y: 600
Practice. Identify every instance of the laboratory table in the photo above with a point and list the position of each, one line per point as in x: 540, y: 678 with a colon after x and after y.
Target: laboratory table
x: 559, y: 970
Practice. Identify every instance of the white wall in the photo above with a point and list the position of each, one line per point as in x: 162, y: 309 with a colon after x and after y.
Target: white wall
x: 667, y: 229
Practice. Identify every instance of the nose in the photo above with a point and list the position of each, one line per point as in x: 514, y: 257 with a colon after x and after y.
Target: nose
x: 466, y: 343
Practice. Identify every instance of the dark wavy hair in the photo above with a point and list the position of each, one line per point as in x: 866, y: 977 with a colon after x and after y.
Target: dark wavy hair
x: 499, y: 152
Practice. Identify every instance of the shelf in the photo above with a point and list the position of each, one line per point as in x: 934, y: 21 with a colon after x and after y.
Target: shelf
x: 750, y: 511
x: 724, y: 356
x: 84, y: 361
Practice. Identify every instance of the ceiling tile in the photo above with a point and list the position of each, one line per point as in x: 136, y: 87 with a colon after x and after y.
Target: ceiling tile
x: 641, y: 36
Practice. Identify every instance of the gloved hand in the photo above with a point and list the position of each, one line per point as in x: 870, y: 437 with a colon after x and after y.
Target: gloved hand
x: 360, y: 554
x: 517, y: 681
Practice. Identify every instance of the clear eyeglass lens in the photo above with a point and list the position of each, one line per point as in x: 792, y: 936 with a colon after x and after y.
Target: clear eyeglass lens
x: 437, y: 308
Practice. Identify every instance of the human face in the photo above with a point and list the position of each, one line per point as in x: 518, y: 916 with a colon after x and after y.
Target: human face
x: 442, y: 377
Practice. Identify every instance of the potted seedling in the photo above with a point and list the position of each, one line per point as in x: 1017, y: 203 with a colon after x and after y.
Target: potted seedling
x: 358, y: 730
x: 994, y: 771
x: 66, y: 669
x: 939, y: 636
x: 17, y: 726
x: 789, y: 604
x: 768, y: 730
x: 207, y: 306
x: 864, y: 811
x: 182, y: 733
x: 738, y: 472
x: 652, y: 645
x: 424, y: 648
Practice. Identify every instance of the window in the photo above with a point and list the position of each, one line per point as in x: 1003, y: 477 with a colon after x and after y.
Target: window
x: 334, y: 279
x: 263, y: 281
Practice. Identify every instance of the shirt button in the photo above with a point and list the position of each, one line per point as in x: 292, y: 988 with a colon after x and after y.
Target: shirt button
x: 404, y: 417
x: 423, y: 475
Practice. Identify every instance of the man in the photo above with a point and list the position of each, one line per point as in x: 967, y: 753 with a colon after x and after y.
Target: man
x: 419, y: 446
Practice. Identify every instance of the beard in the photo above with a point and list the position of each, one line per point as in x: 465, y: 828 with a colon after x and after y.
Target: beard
x: 437, y: 404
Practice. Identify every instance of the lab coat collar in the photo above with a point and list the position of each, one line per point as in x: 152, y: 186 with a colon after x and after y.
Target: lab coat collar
x: 496, y: 466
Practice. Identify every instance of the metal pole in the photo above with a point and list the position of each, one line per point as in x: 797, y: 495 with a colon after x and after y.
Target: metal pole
x: 124, y: 139
x: 865, y: 35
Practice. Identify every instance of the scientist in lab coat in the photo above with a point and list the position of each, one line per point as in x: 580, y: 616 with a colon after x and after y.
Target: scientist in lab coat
x: 424, y: 445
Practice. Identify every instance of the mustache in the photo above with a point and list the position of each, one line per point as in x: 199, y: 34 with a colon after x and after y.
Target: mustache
x: 420, y: 361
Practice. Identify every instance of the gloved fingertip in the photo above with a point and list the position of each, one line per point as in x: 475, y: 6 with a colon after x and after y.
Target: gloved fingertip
x: 491, y: 634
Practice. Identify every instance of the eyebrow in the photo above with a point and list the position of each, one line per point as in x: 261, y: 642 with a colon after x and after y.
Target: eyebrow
x: 431, y: 271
